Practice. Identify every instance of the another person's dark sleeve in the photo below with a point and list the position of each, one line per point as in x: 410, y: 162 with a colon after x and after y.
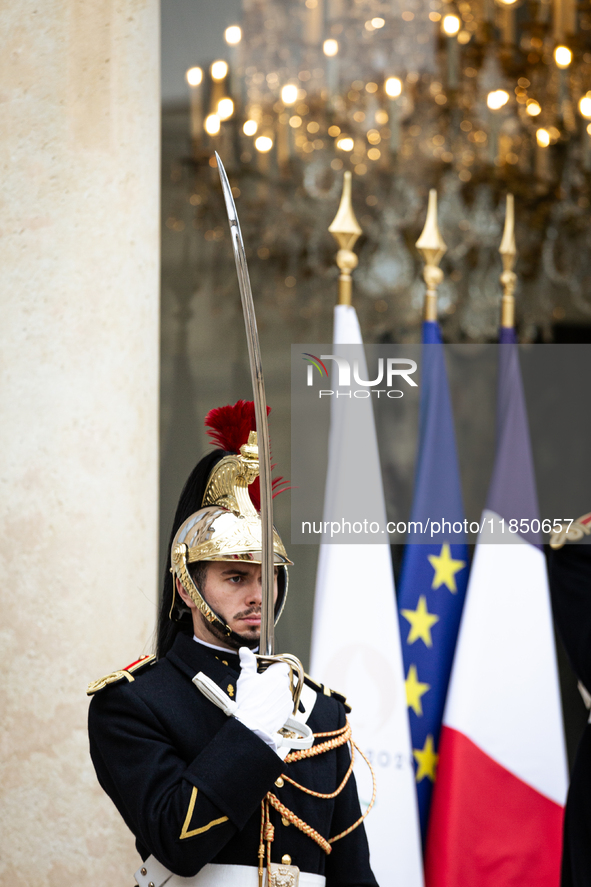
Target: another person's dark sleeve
x: 569, y: 571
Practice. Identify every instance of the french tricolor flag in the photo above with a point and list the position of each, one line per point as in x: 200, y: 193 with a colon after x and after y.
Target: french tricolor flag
x: 498, y: 802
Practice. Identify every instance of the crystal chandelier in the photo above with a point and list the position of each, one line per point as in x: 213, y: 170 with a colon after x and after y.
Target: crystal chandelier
x: 476, y: 98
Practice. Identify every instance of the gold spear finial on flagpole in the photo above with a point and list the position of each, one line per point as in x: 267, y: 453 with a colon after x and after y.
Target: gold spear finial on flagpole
x: 345, y: 230
x: 432, y: 247
x: 508, y: 278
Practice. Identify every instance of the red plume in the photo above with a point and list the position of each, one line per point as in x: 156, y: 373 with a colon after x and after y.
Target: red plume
x: 231, y: 426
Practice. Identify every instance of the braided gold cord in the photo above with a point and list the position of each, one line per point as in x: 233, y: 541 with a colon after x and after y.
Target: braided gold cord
x: 332, y: 732
x: 269, y: 834
x: 341, y: 737
x: 371, y: 803
x: 314, y: 794
x: 299, y: 823
x: 262, y: 844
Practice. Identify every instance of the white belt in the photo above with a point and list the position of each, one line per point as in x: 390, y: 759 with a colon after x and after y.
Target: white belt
x: 154, y: 874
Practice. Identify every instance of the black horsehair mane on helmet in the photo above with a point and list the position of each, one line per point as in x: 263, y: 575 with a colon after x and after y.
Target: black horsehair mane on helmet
x: 190, y: 501
x: 231, y: 426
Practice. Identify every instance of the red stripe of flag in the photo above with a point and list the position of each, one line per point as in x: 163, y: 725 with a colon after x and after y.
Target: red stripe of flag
x: 487, y: 827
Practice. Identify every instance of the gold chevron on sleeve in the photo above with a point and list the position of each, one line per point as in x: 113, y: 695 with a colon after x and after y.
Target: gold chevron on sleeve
x: 185, y: 833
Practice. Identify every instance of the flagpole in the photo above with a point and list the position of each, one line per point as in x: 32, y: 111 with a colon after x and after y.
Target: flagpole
x: 344, y: 650
x: 437, y: 491
x: 432, y: 248
x: 508, y: 278
x: 346, y: 230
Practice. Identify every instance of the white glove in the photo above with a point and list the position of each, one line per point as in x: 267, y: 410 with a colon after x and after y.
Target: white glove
x: 263, y: 701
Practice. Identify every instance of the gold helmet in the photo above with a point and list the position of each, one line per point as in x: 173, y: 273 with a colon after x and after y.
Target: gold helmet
x: 227, y: 528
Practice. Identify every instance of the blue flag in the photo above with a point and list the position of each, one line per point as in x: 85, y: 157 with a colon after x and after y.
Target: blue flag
x: 434, y: 576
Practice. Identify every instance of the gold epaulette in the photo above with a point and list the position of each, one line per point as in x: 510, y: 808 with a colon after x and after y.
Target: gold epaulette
x: 326, y: 691
x: 126, y: 673
x: 571, y: 531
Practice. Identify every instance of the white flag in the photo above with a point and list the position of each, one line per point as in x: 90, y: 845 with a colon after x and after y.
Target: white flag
x: 356, y: 642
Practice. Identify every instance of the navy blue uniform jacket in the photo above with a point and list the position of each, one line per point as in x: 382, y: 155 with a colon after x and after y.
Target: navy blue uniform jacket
x: 189, y: 781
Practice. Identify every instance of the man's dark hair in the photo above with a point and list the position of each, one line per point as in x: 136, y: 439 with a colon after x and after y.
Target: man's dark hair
x: 198, y: 572
x: 191, y: 499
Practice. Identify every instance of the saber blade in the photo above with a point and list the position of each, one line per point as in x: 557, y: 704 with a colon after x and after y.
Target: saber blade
x: 266, y: 645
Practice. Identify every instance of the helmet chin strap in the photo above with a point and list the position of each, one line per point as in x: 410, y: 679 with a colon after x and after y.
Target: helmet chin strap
x: 230, y: 636
x: 225, y: 631
x: 180, y: 570
x: 211, y: 618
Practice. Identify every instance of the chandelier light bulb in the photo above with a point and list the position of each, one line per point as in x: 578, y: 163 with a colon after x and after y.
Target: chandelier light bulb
x: 507, y: 2
x: 497, y: 99
x: 585, y: 106
x: 225, y: 109
x: 263, y: 144
x: 250, y: 127
x: 330, y: 47
x: 194, y: 76
x: 378, y: 23
x: 393, y: 87
x: 543, y: 138
x: 233, y: 35
x: 218, y: 70
x: 289, y: 94
x: 212, y: 124
x: 563, y: 56
x: 345, y: 144
x: 451, y: 24
x: 533, y: 108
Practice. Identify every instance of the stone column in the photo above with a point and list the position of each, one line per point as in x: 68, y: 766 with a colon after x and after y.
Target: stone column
x: 79, y: 246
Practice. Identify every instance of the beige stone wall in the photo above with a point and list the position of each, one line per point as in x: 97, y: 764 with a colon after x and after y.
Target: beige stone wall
x: 79, y: 173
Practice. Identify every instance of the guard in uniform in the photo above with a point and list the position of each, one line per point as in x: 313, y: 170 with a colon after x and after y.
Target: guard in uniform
x: 570, y: 586
x: 209, y: 791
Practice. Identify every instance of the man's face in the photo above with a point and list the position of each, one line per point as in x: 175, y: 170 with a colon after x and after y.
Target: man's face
x: 234, y: 591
